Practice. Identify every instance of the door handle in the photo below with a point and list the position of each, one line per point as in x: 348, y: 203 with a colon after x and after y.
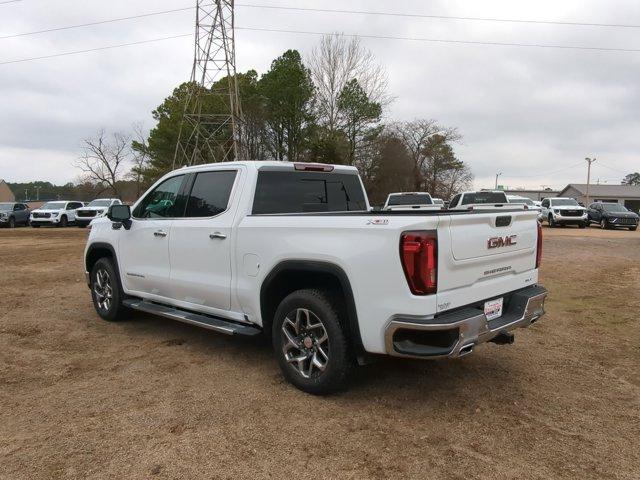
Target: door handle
x: 215, y: 235
x: 159, y: 233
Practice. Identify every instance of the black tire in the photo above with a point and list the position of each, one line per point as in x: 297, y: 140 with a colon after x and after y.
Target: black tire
x: 552, y: 222
x: 633, y: 229
x: 64, y: 222
x: 603, y: 224
x: 583, y: 225
x: 336, y: 348
x: 81, y: 225
x: 12, y: 222
x: 105, y: 282
x: 33, y: 225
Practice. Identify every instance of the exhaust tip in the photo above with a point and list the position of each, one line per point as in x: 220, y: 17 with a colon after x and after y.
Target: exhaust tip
x: 466, y: 350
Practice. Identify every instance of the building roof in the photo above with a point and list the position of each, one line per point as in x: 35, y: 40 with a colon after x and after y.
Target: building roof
x: 612, y: 191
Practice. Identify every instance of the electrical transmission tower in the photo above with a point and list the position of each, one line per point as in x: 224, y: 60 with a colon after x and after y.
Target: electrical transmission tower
x: 204, y: 136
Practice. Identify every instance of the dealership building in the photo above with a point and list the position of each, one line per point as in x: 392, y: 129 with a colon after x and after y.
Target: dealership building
x: 627, y: 195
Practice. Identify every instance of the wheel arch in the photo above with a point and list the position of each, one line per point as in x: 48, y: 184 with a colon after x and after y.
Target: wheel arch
x: 99, y: 250
x: 291, y: 275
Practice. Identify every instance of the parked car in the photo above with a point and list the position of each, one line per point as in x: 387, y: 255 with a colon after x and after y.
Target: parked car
x: 59, y: 213
x: 527, y: 202
x: 291, y: 250
x: 560, y: 211
x: 438, y: 201
x: 95, y: 209
x: 410, y: 201
x: 612, y: 215
x: 13, y: 214
x: 484, y: 199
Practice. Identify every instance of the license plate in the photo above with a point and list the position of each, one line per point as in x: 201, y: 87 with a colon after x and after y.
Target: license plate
x: 493, y: 308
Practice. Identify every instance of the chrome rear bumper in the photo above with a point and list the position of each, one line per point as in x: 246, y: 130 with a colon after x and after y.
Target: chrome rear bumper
x: 457, y: 333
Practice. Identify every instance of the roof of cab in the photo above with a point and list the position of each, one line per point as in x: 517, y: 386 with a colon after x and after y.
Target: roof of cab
x: 268, y: 164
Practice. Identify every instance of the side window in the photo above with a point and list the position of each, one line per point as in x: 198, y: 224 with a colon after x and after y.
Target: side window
x: 455, y: 200
x: 76, y: 205
x: 545, y: 203
x: 17, y: 207
x: 210, y: 193
x: 163, y: 201
x: 117, y: 202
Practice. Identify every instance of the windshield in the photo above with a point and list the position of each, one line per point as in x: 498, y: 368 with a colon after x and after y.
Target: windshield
x: 526, y: 201
x: 53, y: 206
x: 483, y: 198
x: 6, y: 207
x: 614, y: 207
x: 410, y: 199
x: 99, y: 203
x: 564, y: 202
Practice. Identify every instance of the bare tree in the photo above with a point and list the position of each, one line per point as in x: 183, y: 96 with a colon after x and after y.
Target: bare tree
x: 416, y: 135
x: 336, y: 61
x: 455, y: 181
x: 104, y: 157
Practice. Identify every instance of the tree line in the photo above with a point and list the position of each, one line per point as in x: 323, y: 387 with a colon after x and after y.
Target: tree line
x: 330, y: 108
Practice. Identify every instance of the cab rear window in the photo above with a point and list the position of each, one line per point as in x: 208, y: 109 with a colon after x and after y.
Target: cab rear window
x: 410, y: 199
x: 304, y: 192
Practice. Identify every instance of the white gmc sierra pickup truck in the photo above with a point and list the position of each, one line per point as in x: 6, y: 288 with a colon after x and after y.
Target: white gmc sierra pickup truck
x: 292, y: 251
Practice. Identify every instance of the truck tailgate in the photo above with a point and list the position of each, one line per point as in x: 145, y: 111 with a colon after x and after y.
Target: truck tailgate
x: 483, y: 250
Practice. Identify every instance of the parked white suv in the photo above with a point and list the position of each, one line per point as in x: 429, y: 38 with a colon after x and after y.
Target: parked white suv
x: 95, y: 209
x: 410, y: 201
x: 59, y: 213
x: 560, y: 211
x: 292, y: 251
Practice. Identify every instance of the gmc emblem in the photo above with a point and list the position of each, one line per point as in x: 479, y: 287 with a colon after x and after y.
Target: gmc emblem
x: 497, y: 242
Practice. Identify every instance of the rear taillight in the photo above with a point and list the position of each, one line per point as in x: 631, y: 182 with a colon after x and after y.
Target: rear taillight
x: 539, y: 246
x: 419, y: 256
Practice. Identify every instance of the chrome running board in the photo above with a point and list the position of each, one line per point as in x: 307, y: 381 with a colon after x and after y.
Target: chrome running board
x: 198, y: 319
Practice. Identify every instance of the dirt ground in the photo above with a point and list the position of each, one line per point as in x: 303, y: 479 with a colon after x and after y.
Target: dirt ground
x: 149, y: 398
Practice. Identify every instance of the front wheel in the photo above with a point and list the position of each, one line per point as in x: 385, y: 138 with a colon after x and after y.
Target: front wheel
x: 105, y: 290
x: 633, y: 229
x: 12, y: 222
x: 63, y: 222
x: 603, y: 224
x: 310, y: 343
x: 552, y: 222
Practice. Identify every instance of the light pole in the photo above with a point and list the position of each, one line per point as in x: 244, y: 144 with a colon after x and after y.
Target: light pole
x: 497, y: 175
x: 589, y: 162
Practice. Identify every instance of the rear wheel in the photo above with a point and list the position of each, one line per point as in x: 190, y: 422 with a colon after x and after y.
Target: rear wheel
x: 312, y: 348
x: 63, y: 221
x: 105, y: 290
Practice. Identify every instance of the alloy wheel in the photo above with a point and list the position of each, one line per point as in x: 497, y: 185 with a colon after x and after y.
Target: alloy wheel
x: 305, y: 342
x: 103, y: 290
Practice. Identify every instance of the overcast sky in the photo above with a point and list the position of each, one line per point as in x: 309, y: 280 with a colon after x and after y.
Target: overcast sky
x: 531, y: 113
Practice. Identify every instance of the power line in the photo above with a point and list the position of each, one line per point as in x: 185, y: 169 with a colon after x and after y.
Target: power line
x: 380, y: 37
x: 322, y: 10
x: 440, y: 40
x: 108, y: 47
x: 444, y: 17
x: 546, y: 174
x: 99, y: 22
